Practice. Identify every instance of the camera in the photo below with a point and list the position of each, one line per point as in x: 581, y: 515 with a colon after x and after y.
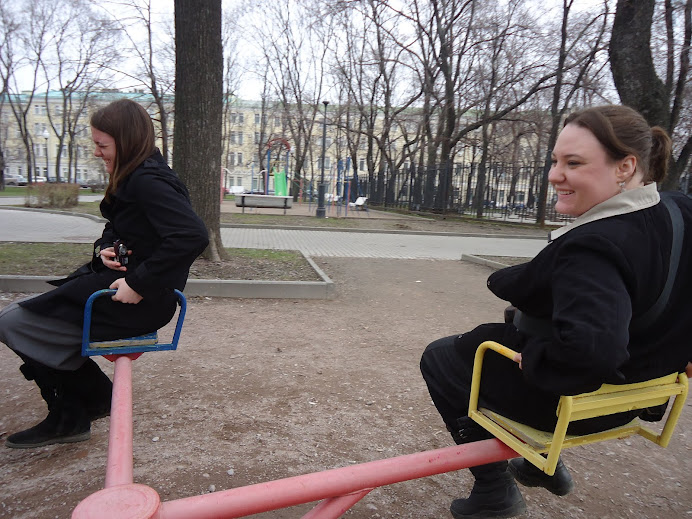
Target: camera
x: 120, y: 250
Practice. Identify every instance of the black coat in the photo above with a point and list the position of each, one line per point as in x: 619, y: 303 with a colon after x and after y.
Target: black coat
x: 151, y: 213
x: 593, y: 283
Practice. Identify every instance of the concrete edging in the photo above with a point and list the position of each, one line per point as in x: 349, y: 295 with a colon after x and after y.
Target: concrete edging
x: 249, y: 289
x: 496, y: 265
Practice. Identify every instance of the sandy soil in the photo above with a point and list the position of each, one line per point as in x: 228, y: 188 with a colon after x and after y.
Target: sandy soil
x: 264, y: 389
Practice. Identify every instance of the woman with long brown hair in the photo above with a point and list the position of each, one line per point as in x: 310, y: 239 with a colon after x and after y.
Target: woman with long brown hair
x: 150, y: 218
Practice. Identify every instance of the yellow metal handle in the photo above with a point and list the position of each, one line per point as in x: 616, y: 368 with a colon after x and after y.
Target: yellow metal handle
x: 478, y: 367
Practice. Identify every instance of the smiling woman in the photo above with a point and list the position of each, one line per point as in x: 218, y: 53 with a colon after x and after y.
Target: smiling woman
x: 587, y: 310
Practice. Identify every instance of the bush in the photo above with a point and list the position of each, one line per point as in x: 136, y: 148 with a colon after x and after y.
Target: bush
x: 52, y: 195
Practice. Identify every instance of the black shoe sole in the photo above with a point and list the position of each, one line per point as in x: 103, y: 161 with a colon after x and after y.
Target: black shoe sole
x: 65, y: 439
x: 540, y: 481
x: 512, y: 511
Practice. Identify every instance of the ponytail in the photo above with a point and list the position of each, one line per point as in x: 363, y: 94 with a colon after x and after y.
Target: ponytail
x: 661, y: 147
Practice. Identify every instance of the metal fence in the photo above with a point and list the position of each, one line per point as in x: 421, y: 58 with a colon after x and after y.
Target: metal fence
x: 510, y: 192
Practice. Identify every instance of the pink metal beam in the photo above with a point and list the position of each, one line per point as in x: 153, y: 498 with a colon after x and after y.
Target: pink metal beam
x: 119, y: 464
x: 283, y: 493
x: 335, y: 507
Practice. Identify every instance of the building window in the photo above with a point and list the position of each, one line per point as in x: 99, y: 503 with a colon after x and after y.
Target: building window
x: 257, y: 137
x: 233, y: 118
x: 257, y: 118
x: 39, y: 109
x: 277, y: 120
x: 239, y: 158
x: 361, y: 164
x: 326, y: 163
x: 241, y: 118
x: 236, y: 137
x: 238, y: 181
x: 231, y: 158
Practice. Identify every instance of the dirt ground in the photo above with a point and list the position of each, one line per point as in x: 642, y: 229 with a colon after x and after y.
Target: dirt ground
x: 265, y: 389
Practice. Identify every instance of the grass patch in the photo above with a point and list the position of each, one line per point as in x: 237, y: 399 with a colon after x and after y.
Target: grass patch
x: 59, y: 259
x: 92, y: 208
x: 13, y: 191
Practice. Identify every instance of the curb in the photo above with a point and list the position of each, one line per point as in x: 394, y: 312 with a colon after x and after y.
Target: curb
x: 249, y: 289
x: 55, y: 211
x: 381, y: 231
x: 304, y: 228
x: 495, y: 265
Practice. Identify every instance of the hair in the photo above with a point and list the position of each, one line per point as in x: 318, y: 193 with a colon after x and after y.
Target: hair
x: 133, y: 131
x: 623, y: 131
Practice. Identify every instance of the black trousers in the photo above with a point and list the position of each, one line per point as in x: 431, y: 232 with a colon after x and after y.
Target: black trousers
x: 447, y: 367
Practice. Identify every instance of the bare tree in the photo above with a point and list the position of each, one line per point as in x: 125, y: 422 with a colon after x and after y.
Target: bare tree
x: 34, y: 36
x: 199, y: 108
x: 565, y: 87
x: 8, y: 30
x: 638, y: 80
x: 81, y: 50
x: 294, y: 49
x: 151, y: 46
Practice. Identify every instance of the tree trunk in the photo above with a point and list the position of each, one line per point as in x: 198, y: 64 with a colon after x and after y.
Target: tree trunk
x: 198, y: 111
x: 632, y: 64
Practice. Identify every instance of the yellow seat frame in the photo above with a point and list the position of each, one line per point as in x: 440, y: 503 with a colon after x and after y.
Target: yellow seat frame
x: 608, y: 399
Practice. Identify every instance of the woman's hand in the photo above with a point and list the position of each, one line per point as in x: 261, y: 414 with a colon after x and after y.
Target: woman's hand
x: 517, y: 359
x: 688, y: 370
x: 124, y: 293
x: 108, y: 255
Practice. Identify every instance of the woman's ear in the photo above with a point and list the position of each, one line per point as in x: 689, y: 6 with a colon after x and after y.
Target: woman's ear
x: 626, y: 168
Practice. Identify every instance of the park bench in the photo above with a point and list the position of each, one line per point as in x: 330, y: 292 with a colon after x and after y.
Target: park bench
x: 359, y: 204
x: 271, y: 201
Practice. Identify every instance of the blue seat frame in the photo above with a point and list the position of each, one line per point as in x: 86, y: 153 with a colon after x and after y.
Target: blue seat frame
x: 139, y: 344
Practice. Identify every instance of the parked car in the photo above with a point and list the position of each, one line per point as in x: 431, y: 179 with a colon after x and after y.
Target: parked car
x: 15, y: 180
x: 40, y: 180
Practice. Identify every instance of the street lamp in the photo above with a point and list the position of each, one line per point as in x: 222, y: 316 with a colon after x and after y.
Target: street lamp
x: 321, y: 188
x: 45, y: 136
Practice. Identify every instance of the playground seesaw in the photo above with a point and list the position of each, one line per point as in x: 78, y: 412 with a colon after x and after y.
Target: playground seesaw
x: 337, y: 490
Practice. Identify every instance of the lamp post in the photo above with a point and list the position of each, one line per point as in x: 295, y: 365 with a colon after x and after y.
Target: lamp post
x: 45, y: 136
x: 321, y: 188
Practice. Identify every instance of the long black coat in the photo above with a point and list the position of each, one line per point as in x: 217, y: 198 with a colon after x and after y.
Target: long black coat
x: 151, y: 213
x: 594, y: 282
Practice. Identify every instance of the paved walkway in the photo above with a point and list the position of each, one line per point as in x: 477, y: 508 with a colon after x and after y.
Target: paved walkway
x: 40, y: 226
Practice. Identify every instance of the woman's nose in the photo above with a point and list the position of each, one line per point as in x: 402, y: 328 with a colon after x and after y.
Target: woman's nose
x: 555, y: 174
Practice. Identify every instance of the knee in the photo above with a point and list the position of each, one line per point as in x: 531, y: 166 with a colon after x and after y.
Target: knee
x: 429, y: 359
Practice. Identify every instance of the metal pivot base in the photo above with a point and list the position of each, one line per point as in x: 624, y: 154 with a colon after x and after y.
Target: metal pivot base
x: 132, y: 501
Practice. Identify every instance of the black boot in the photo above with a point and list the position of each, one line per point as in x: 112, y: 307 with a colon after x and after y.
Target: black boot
x: 96, y: 390
x: 529, y: 475
x: 494, y: 494
x: 67, y: 421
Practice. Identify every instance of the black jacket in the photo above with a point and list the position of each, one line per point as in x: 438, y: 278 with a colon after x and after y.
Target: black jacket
x: 151, y: 213
x: 593, y: 283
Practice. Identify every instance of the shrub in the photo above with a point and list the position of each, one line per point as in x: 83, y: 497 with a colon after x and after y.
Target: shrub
x: 52, y: 195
